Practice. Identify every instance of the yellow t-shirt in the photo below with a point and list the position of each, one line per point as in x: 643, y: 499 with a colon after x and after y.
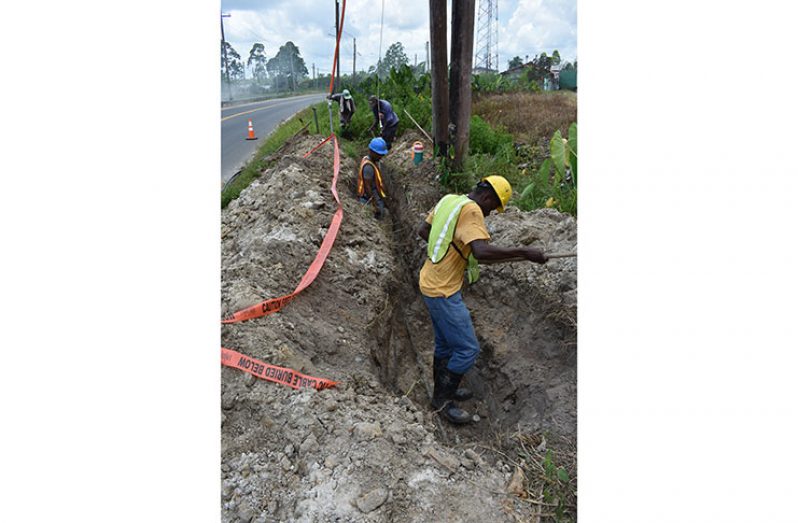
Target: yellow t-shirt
x: 445, y: 278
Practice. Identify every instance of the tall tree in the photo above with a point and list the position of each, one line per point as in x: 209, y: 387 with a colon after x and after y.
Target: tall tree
x: 543, y: 61
x: 515, y: 62
x: 288, y: 64
x: 541, y: 68
x: 257, y: 57
x: 555, y: 57
x: 237, y: 70
x: 233, y: 61
x: 394, y: 57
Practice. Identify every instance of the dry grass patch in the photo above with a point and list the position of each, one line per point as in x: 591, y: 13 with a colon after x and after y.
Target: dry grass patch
x: 532, y: 118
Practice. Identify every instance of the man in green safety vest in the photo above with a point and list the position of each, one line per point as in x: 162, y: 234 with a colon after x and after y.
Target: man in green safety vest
x: 458, y: 221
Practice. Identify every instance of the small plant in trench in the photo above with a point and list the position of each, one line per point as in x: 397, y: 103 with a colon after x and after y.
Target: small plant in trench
x: 555, y: 487
x: 552, y: 484
x: 491, y: 152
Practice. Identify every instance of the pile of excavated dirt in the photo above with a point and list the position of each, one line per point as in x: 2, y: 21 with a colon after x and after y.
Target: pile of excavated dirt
x: 371, y: 449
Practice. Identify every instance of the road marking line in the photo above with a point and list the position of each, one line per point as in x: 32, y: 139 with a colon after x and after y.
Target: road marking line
x: 258, y: 109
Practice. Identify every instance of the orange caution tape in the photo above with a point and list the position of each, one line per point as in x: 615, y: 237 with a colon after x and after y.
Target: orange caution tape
x: 259, y: 369
x: 290, y: 377
x: 275, y: 304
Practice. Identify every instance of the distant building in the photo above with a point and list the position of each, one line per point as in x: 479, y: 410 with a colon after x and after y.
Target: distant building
x: 483, y: 70
x: 550, y: 82
x: 568, y: 79
x: 516, y: 72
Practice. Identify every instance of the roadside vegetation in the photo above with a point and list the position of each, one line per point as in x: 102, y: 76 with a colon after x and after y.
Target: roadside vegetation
x: 517, y: 131
x: 513, y: 129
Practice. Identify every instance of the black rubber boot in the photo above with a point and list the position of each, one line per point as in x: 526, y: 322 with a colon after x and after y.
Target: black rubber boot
x: 462, y: 393
x: 443, y: 394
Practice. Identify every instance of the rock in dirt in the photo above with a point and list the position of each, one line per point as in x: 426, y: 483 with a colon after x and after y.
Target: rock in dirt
x: 442, y: 458
x: 516, y: 485
x: 365, y: 430
x: 228, y: 400
x: 372, y: 500
x: 246, y: 514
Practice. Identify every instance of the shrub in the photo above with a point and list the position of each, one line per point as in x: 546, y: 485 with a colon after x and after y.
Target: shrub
x: 554, y: 183
x: 485, y: 139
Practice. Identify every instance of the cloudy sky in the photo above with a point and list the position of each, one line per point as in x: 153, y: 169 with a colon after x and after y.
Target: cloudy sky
x: 526, y: 27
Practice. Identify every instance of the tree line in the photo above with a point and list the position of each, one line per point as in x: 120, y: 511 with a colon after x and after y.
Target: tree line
x: 287, y: 69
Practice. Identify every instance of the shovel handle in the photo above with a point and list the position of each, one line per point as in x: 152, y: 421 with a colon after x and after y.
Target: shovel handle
x: 549, y: 256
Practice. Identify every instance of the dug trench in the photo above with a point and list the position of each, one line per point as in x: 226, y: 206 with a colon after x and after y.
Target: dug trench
x: 371, y: 449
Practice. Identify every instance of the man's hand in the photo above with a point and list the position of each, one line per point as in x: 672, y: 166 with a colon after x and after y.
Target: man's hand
x: 535, y: 255
x: 424, y: 230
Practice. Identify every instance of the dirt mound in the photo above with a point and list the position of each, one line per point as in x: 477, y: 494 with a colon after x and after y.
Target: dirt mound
x: 371, y: 449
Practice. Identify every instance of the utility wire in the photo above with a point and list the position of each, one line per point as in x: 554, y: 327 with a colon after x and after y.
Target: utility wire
x: 379, y: 65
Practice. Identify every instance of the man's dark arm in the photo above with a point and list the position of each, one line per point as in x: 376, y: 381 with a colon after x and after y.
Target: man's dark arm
x: 484, y: 252
x: 424, y: 230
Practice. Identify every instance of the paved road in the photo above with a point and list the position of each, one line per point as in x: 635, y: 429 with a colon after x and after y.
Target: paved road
x: 265, y: 116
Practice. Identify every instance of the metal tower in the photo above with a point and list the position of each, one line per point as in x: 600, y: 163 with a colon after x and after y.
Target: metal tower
x: 487, y: 55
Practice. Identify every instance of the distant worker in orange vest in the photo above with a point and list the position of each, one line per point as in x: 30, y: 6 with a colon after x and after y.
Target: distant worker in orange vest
x: 370, y: 186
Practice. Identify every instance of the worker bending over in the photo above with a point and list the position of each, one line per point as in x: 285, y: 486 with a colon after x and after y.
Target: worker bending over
x: 346, y: 105
x: 383, y: 112
x: 457, y: 240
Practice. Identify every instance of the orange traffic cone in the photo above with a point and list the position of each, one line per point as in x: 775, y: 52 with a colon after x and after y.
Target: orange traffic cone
x: 251, y: 135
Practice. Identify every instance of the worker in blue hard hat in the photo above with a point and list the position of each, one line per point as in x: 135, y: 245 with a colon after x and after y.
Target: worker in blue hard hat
x: 370, y: 186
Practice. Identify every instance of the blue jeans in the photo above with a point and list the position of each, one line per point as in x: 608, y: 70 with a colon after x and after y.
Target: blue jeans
x: 455, y: 338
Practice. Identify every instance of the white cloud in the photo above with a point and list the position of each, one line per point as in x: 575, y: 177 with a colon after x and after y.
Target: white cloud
x: 526, y: 27
x: 537, y: 26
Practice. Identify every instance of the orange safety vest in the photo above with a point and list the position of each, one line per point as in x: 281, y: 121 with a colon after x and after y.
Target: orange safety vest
x: 361, y: 190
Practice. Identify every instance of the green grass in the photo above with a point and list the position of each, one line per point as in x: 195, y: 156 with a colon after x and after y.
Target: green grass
x: 275, y: 140
x: 352, y: 149
x: 510, y: 135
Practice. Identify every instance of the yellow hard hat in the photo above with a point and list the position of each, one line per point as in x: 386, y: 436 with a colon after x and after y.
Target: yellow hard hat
x: 502, y: 189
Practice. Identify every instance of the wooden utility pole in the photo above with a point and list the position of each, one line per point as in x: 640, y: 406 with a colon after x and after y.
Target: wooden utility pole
x: 440, y: 88
x: 354, y: 59
x: 426, y: 64
x: 224, y: 50
x: 337, y: 51
x: 460, y: 76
